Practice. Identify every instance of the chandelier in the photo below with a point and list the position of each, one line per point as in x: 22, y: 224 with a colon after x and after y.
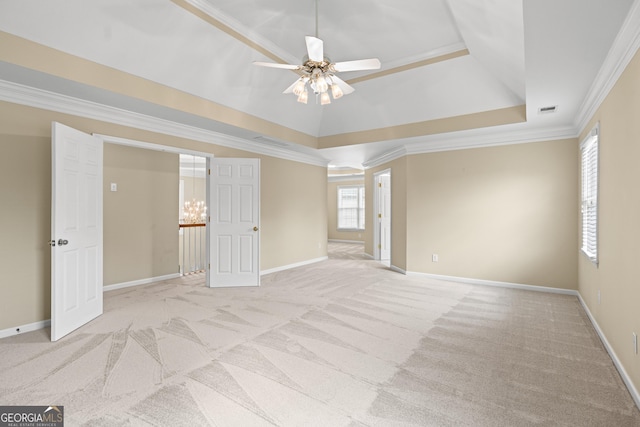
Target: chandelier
x: 318, y: 76
x: 194, y: 212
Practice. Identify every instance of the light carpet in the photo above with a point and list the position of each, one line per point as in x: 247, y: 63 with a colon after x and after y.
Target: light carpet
x: 344, y: 342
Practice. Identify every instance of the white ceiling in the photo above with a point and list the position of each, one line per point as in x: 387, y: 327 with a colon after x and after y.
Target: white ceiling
x: 536, y: 53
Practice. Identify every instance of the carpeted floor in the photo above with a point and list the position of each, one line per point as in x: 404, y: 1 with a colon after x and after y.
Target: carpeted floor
x: 344, y: 342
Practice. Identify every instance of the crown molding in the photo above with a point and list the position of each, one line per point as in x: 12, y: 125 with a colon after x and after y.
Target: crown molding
x: 345, y: 178
x: 38, y: 98
x: 622, y: 51
x: 475, y: 138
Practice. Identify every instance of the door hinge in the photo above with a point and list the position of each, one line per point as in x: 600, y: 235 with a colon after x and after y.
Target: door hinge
x: 209, y: 266
x: 380, y: 184
x: 380, y: 215
x: 379, y: 246
x: 209, y: 171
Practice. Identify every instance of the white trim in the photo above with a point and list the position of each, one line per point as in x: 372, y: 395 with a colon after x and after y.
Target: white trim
x: 122, y: 285
x: 359, y: 242
x: 397, y: 269
x: 290, y: 266
x: 368, y: 256
x: 473, y: 138
x: 38, y: 98
x: 509, y: 285
x: 9, y: 332
x: 340, y: 178
x: 622, y: 51
x: 623, y: 373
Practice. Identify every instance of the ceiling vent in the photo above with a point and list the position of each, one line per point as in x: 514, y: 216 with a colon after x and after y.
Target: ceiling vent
x: 547, y: 110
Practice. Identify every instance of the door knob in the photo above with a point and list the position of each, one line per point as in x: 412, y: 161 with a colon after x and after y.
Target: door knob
x: 255, y: 228
x: 62, y: 242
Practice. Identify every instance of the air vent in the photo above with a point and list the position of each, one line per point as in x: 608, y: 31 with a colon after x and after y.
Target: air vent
x: 547, y: 110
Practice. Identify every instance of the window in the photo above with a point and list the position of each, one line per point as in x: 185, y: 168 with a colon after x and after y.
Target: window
x: 589, y: 155
x: 351, y: 207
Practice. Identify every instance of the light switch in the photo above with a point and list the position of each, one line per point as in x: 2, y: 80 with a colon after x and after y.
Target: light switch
x: 114, y: 186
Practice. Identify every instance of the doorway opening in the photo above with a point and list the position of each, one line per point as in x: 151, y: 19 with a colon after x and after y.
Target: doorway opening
x: 192, y: 214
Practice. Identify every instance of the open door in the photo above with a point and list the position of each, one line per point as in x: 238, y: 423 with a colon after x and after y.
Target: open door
x: 76, y: 229
x: 234, y: 222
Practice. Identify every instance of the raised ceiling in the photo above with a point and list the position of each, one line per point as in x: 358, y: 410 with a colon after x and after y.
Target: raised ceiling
x: 449, y: 67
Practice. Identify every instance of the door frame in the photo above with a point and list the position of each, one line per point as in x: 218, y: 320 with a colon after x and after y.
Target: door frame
x: 376, y: 211
x: 174, y: 150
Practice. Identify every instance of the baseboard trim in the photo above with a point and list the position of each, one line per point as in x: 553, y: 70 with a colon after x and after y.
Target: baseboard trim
x: 359, y: 242
x: 510, y: 285
x: 400, y: 270
x: 623, y: 373
x: 290, y: 266
x: 139, y: 282
x: 25, y: 328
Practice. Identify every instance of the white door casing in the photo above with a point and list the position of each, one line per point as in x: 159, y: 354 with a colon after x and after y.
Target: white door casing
x: 234, y: 222
x: 76, y: 229
x: 385, y: 217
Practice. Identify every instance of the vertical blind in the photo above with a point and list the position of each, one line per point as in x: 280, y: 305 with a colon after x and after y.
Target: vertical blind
x: 589, y: 155
x: 351, y: 207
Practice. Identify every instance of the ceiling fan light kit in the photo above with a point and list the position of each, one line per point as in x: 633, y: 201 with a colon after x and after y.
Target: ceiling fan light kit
x: 318, y: 72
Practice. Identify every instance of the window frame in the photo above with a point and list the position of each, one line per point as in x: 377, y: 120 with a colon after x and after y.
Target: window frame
x: 360, y: 208
x: 589, y: 194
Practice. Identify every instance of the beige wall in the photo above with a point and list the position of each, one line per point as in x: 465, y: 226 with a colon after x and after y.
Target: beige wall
x: 616, y: 276
x: 25, y: 227
x: 332, y: 212
x: 141, y: 218
x: 500, y: 213
x: 293, y: 205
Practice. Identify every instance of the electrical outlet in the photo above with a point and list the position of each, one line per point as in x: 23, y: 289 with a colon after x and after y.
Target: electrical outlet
x: 434, y: 258
x: 635, y: 342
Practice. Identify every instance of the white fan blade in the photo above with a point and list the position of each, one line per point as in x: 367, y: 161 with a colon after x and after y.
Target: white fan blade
x: 315, y: 49
x: 346, y: 89
x: 276, y: 65
x: 360, y: 64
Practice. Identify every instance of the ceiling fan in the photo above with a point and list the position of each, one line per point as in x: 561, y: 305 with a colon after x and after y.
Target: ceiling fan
x: 320, y: 73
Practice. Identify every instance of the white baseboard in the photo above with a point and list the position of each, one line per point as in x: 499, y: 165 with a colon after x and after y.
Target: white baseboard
x: 400, y: 270
x: 359, y: 242
x: 497, y: 284
x: 140, y: 282
x: 25, y: 328
x: 623, y: 373
x: 368, y: 256
x: 290, y: 266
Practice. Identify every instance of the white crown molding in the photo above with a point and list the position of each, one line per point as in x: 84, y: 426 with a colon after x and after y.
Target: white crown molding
x: 475, y: 138
x: 622, y: 51
x: 38, y: 98
x: 385, y: 157
x: 344, y: 178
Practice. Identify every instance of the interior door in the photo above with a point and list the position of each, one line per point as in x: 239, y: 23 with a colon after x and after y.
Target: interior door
x: 76, y: 228
x: 385, y: 216
x: 234, y: 220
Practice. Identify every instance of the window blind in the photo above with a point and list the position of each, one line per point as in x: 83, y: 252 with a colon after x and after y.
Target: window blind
x: 589, y: 156
x: 351, y: 207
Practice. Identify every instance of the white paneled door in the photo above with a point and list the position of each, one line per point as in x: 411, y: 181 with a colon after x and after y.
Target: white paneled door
x: 76, y: 229
x: 235, y: 216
